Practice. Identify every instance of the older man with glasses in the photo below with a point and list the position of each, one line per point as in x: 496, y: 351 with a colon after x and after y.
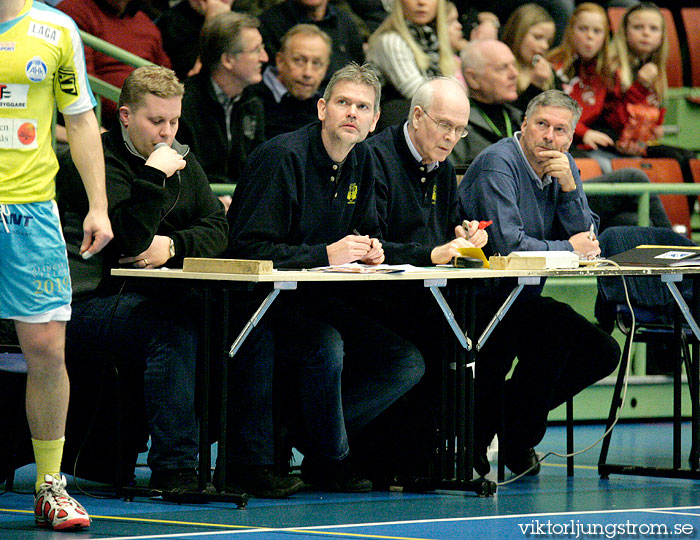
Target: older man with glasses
x: 417, y: 207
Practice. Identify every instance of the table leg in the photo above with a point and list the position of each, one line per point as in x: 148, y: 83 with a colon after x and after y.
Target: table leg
x: 255, y: 319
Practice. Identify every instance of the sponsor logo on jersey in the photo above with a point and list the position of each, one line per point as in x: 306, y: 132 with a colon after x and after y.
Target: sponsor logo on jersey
x: 26, y: 133
x: 36, y: 70
x: 68, y: 81
x: 13, y: 96
x: 42, y: 31
x: 8, y: 46
x: 18, y: 134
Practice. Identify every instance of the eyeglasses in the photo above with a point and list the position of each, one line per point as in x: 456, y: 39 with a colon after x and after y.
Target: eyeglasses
x: 255, y: 51
x: 445, y: 127
x: 303, y: 61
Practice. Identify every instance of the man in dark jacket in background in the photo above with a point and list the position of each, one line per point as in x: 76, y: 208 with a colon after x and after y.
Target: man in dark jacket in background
x: 347, y: 41
x: 162, y: 210
x: 290, y: 90
x: 222, y: 119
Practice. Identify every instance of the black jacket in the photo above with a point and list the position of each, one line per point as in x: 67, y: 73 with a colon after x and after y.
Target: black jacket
x: 481, y: 133
x: 203, y: 128
x: 289, y: 114
x: 291, y: 202
x: 417, y: 209
x: 144, y: 203
x: 180, y: 26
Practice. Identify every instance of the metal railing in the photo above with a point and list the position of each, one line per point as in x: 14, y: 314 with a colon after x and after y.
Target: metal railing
x: 642, y: 190
x: 100, y: 87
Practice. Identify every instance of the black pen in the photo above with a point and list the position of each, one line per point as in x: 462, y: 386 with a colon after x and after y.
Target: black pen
x: 356, y: 232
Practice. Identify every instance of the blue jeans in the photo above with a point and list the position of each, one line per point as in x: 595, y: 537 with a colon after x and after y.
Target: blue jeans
x: 339, y: 367
x: 162, y: 336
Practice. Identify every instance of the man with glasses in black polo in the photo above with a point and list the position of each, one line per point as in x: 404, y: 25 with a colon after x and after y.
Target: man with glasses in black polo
x: 416, y: 190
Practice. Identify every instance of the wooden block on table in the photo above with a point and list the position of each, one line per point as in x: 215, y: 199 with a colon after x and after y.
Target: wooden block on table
x: 511, y: 262
x: 226, y: 266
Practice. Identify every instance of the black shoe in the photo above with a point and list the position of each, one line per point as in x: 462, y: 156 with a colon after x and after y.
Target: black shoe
x: 520, y: 460
x: 174, y: 480
x: 336, y: 476
x: 481, y: 464
x: 262, y: 482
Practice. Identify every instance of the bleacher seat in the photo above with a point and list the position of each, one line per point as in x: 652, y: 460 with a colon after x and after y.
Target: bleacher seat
x: 674, y: 65
x: 691, y: 22
x: 588, y: 168
x: 695, y: 171
x: 662, y: 170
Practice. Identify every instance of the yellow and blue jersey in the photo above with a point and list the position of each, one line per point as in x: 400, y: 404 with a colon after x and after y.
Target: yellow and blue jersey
x: 42, y: 63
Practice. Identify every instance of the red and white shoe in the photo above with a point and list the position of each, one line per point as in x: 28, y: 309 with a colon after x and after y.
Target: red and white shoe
x: 54, y: 508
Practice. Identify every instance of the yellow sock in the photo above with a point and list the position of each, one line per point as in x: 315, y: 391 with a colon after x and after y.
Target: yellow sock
x: 48, y: 456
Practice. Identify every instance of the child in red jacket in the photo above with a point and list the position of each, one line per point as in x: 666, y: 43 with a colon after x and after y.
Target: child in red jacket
x: 582, y: 64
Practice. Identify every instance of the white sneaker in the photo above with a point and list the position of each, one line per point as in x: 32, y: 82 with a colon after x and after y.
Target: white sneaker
x: 54, y: 508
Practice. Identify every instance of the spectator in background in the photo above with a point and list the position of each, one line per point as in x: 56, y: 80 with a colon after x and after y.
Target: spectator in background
x: 222, y: 119
x: 121, y: 23
x: 490, y: 73
x: 529, y: 33
x: 180, y: 26
x: 559, y: 10
x: 347, y: 42
x: 290, y: 91
x: 582, y: 64
x: 411, y: 46
x: 457, y: 39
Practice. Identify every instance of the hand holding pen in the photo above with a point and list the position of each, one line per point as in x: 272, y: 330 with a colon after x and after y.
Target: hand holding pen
x: 585, y: 243
x: 375, y: 255
x: 473, y: 232
x: 351, y: 248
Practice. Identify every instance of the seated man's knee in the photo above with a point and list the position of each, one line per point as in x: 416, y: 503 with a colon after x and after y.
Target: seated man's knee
x: 635, y: 175
x: 608, y: 353
x: 410, y: 366
x: 321, y: 348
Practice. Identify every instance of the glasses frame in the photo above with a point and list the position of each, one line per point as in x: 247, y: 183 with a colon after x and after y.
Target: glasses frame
x: 446, y: 127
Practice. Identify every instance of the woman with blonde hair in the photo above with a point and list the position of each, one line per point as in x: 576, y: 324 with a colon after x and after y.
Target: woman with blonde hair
x: 529, y: 33
x: 411, y: 46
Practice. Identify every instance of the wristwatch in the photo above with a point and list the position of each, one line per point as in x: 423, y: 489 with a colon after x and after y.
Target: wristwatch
x: 172, y: 248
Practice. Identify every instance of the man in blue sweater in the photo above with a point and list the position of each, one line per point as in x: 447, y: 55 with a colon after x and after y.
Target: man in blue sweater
x: 529, y: 186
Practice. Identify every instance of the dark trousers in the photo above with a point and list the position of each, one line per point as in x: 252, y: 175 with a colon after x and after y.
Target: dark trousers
x: 337, y: 368
x: 559, y: 354
x: 161, y: 336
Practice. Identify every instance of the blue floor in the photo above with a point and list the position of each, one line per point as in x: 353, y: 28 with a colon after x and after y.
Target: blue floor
x: 549, y: 505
